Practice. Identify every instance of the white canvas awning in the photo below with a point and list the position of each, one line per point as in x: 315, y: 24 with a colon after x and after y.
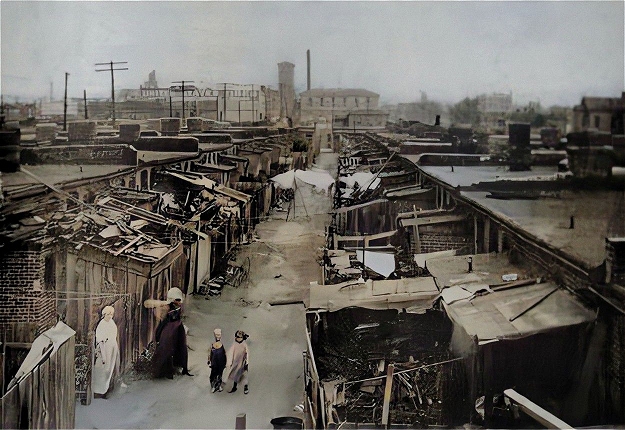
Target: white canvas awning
x: 318, y: 179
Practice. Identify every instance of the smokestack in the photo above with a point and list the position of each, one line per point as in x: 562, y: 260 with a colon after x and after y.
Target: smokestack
x: 438, y: 120
x: 308, y: 69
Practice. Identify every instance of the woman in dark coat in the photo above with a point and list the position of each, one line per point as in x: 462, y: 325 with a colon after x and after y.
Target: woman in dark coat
x: 217, y: 361
x: 171, y: 340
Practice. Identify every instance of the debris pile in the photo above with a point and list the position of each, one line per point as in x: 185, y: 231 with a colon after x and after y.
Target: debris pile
x: 353, y: 348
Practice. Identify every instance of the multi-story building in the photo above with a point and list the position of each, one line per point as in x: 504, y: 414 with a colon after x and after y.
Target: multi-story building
x: 337, y: 105
x: 601, y: 114
x: 496, y: 102
x: 494, y: 109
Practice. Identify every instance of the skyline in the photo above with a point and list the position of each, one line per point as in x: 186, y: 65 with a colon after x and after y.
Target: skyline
x: 552, y: 52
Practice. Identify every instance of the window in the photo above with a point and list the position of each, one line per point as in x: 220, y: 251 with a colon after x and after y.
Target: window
x: 597, y: 121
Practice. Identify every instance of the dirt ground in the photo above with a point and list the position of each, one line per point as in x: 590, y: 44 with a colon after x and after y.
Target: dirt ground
x: 282, y: 259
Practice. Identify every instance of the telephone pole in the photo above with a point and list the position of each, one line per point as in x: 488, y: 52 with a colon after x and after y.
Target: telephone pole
x: 182, y: 82
x: 65, y: 105
x: 84, y: 92
x: 112, y: 68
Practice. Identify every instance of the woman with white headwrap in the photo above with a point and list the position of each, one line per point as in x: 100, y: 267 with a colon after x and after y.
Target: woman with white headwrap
x: 171, y: 338
x: 106, y: 354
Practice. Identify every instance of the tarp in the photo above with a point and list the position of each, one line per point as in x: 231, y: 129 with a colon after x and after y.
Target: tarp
x: 364, y: 180
x: 412, y: 294
x: 487, y: 317
x: 44, y: 346
x: 318, y: 179
x: 421, y: 259
x: 380, y: 262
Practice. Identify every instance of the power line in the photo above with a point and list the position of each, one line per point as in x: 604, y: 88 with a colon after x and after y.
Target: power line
x: 181, y: 82
x: 112, y: 69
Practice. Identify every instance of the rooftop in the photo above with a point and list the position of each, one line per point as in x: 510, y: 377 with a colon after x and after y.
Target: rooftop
x: 549, y: 220
x: 57, y: 174
x: 464, y: 176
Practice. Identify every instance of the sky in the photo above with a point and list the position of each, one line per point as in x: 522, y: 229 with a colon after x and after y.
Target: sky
x: 554, y: 52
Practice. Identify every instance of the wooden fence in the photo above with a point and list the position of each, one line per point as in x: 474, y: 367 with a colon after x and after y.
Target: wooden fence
x: 44, y: 398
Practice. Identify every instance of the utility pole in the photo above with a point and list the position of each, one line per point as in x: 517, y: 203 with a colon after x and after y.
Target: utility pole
x: 112, y: 69
x: 182, y: 82
x: 253, y: 113
x: 171, y: 114
x: 225, y: 118
x: 65, y: 105
x: 84, y: 92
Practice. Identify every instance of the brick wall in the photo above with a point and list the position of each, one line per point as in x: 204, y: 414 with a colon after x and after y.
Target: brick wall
x: 615, y: 261
x: 538, y: 262
x: 433, y: 242
x: 22, y: 291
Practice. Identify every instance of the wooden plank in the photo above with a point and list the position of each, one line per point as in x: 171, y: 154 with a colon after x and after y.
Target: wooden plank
x: 433, y: 220
x: 240, y: 422
x: 388, y: 389
x: 542, y: 416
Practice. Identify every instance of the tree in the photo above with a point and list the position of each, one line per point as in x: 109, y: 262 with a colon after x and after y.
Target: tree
x: 465, y: 112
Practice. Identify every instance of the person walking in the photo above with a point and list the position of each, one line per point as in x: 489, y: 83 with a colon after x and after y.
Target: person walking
x: 217, y: 361
x: 238, y: 362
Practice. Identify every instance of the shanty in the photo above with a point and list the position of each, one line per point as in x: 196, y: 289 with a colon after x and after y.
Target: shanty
x: 424, y: 229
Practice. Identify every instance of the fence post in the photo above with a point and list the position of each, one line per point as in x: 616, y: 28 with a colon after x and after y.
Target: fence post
x: 240, y: 422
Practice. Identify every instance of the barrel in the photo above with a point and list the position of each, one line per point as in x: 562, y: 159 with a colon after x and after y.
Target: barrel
x: 287, y: 423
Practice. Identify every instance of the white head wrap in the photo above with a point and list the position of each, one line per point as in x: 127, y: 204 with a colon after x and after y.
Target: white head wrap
x: 108, y: 310
x: 174, y: 294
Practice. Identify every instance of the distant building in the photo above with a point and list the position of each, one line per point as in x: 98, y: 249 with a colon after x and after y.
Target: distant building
x: 286, y: 79
x: 232, y: 102
x: 495, y: 103
x: 494, y: 109
x: 600, y: 114
x: 342, y: 107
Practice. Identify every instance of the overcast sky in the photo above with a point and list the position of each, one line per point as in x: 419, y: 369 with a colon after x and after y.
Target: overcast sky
x: 555, y: 52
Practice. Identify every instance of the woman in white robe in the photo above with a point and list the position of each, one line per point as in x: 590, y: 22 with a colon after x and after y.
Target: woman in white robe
x: 106, y: 363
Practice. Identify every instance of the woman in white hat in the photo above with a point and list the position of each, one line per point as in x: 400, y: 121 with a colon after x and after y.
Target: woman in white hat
x: 171, y: 338
x: 106, y: 354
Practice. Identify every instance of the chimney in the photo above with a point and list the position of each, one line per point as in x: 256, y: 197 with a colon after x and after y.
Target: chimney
x: 438, y: 120
x: 308, y: 69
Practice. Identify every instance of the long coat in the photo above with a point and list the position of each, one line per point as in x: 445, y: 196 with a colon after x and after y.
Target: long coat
x: 171, y: 350
x: 106, y: 356
x: 238, y: 358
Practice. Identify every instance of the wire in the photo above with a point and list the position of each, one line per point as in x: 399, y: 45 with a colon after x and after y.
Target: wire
x: 405, y: 371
